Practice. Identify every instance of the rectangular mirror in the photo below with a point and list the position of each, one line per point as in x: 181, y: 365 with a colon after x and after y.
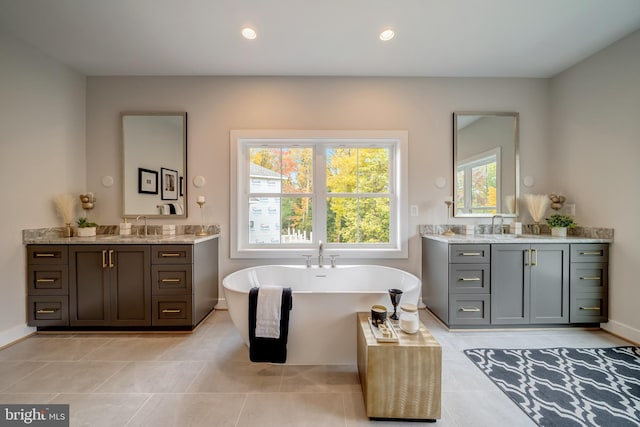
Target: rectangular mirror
x: 485, y: 164
x: 154, y: 164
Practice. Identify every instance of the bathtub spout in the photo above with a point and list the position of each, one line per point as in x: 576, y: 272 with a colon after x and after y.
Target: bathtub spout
x: 320, y: 257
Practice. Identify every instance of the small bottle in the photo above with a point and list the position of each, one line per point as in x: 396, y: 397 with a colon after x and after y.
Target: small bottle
x: 409, y: 320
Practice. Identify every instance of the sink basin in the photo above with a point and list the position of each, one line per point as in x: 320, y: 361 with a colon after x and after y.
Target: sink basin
x: 503, y: 236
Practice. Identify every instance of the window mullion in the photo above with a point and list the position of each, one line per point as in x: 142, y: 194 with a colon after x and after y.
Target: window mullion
x: 320, y: 193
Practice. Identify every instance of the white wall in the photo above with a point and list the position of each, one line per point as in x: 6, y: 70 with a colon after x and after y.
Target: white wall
x: 215, y: 105
x: 42, y: 153
x: 595, y: 117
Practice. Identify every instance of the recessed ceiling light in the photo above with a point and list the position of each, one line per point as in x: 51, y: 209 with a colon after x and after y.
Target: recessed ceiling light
x: 249, y: 33
x: 387, y: 35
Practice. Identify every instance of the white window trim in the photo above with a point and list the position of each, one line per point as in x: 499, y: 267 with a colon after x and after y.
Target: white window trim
x: 398, y: 247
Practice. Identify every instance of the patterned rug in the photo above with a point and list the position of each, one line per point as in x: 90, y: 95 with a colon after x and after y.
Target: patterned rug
x: 568, y: 386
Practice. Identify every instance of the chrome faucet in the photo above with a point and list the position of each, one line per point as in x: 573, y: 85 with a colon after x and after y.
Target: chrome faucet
x: 320, y: 257
x: 493, y: 226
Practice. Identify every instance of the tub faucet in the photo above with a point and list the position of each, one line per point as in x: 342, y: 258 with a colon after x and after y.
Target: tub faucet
x: 320, y: 257
x: 492, y: 223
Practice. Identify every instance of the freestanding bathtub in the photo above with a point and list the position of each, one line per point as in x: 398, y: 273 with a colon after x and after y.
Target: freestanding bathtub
x: 322, y: 323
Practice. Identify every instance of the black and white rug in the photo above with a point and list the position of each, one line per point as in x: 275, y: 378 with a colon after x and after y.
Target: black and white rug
x: 568, y: 386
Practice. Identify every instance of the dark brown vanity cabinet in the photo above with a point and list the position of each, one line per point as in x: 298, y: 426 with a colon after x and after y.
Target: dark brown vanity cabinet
x: 184, y: 283
x: 48, y: 285
x: 109, y: 285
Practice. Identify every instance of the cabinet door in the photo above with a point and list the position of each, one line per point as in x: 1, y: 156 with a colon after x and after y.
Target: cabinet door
x: 89, y: 296
x: 510, y: 283
x: 549, y: 284
x: 130, y: 285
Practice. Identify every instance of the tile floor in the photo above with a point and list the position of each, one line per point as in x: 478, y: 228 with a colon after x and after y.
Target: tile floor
x: 206, y: 379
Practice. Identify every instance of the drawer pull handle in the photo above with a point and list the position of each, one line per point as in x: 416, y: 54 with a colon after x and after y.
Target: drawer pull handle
x: 104, y: 258
x: 599, y: 253
x: 470, y: 310
x: 590, y: 308
x: 44, y: 255
x: 46, y: 311
x: 171, y: 310
x: 45, y: 280
x: 469, y: 279
x: 470, y: 253
x: 169, y: 254
x: 590, y: 278
x: 170, y: 280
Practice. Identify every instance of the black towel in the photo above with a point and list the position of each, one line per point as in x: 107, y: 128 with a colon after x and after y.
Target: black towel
x: 272, y: 350
x: 172, y: 209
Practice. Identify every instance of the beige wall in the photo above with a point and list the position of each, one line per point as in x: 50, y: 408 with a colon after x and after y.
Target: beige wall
x: 595, y: 117
x: 42, y: 153
x: 215, y: 105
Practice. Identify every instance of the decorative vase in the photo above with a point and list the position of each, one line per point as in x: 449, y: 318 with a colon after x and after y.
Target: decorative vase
x: 535, y: 228
x: 86, y: 231
x: 559, y: 231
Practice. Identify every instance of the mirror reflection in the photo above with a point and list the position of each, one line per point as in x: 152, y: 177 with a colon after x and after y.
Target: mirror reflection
x: 485, y: 150
x: 154, y: 164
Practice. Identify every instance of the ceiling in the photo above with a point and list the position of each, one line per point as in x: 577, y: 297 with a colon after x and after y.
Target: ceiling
x: 457, y: 38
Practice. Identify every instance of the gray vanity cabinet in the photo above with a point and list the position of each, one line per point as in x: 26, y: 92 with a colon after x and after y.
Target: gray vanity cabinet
x: 529, y: 284
x: 109, y: 285
x: 456, y: 282
x: 589, y: 283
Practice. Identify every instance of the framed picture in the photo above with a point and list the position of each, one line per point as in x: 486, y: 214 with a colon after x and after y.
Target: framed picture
x: 169, y: 180
x: 147, y: 181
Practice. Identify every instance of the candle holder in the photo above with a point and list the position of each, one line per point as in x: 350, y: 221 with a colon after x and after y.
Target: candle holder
x: 449, y: 232
x: 202, y: 231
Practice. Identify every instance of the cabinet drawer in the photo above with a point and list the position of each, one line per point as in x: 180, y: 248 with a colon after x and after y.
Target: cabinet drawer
x: 48, y: 310
x: 589, y: 308
x: 589, y: 252
x: 469, y: 310
x: 589, y: 277
x: 470, y: 254
x: 469, y: 278
x: 171, y: 254
x: 48, y: 280
x: 47, y: 254
x: 172, y: 310
x: 171, y: 279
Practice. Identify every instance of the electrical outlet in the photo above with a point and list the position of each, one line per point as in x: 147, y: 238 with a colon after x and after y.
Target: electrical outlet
x: 414, y: 210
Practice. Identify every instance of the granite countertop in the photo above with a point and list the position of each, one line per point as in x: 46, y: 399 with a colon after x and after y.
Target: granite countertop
x: 116, y: 239
x: 513, y: 238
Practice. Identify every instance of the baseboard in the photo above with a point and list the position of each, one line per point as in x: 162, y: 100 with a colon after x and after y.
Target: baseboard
x: 623, y: 331
x: 12, y: 335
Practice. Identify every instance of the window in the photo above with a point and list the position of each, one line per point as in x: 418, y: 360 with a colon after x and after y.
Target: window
x: 344, y: 188
x: 477, y: 184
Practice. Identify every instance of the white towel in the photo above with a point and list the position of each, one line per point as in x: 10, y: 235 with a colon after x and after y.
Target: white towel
x: 268, y: 312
